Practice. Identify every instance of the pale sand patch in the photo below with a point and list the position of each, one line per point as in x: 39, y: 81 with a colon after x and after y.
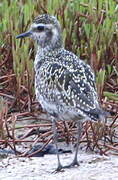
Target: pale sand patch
x: 92, y: 167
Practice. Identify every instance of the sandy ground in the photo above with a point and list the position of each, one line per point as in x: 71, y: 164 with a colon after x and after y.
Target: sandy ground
x: 92, y: 167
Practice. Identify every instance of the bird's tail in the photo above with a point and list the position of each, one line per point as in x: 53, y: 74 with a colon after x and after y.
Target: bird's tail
x: 97, y: 114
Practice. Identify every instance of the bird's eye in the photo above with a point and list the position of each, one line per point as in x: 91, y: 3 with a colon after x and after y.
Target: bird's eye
x: 40, y: 28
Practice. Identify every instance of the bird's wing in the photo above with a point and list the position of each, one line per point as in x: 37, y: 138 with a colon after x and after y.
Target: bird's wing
x: 75, y: 87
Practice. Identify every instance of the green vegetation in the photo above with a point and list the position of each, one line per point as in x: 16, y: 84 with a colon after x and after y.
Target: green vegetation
x: 90, y: 29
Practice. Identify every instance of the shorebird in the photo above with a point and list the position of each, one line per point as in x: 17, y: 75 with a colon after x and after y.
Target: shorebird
x: 64, y: 84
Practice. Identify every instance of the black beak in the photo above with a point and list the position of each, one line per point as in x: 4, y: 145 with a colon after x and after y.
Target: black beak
x: 23, y: 35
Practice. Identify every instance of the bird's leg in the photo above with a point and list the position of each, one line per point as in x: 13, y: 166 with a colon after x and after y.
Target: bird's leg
x: 55, y: 142
x: 75, y: 161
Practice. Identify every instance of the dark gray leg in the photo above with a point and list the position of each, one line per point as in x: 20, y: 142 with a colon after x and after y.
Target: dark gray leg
x: 75, y: 161
x: 55, y: 142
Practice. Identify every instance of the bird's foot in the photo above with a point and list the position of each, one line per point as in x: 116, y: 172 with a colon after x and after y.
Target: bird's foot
x: 59, y: 169
x: 73, y: 164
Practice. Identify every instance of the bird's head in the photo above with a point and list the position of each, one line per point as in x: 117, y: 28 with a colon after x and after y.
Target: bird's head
x: 45, y: 30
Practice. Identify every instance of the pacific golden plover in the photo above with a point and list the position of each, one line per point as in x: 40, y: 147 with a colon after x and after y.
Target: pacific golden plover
x: 64, y: 84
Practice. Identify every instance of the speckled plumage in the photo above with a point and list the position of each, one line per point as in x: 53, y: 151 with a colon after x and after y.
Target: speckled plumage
x: 64, y: 84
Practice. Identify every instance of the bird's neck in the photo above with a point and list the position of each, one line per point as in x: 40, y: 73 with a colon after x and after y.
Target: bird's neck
x: 46, y: 53
x: 49, y: 48
x: 50, y: 43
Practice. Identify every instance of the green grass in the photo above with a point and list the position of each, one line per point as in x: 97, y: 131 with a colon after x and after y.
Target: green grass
x: 89, y: 30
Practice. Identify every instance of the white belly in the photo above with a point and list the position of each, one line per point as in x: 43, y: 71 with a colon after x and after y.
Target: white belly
x: 48, y: 106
